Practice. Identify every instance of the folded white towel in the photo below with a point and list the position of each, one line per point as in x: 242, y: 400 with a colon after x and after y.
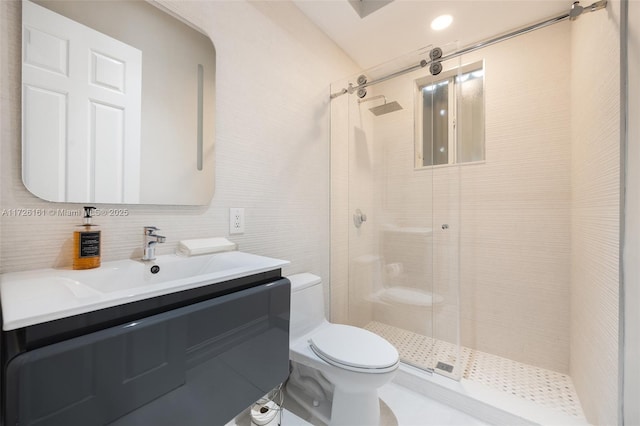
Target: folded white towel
x: 204, y: 246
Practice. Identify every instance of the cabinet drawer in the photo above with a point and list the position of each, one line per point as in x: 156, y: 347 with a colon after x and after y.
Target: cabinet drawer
x: 94, y: 379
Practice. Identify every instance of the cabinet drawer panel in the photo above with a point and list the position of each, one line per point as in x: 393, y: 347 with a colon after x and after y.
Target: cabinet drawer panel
x: 54, y: 386
x: 93, y: 379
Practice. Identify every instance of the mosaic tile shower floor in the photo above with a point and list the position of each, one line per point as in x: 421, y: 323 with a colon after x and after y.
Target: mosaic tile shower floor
x: 544, y: 387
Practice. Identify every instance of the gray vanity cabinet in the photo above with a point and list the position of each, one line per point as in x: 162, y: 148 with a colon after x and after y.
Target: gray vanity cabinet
x: 197, y: 364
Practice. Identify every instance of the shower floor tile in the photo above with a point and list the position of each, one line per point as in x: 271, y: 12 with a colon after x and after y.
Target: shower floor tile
x: 544, y: 387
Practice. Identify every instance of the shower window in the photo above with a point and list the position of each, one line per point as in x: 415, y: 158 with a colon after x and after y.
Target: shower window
x: 450, y: 117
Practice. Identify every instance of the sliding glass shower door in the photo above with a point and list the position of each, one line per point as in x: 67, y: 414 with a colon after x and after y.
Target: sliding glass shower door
x: 403, y: 211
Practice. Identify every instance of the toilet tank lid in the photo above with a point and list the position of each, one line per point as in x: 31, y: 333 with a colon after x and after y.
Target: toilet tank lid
x: 304, y: 280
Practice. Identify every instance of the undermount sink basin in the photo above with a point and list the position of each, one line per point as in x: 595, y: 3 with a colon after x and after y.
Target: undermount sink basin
x: 33, y: 297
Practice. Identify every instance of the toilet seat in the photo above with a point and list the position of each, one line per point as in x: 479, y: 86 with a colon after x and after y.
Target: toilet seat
x: 354, y: 349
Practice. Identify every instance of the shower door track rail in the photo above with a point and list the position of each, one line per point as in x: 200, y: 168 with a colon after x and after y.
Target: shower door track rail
x: 575, y: 11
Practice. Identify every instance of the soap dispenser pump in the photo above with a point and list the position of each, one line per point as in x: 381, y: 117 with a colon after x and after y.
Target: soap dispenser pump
x: 86, y: 243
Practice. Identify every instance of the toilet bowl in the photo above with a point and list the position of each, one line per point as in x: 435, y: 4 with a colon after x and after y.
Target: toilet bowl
x: 353, y: 361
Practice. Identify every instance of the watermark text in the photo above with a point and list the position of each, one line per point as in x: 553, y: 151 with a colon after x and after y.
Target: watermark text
x: 61, y: 212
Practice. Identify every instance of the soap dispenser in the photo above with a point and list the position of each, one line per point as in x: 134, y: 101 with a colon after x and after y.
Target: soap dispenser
x: 86, y: 243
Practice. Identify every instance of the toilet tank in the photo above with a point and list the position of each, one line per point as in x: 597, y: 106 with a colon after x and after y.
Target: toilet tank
x: 307, y: 304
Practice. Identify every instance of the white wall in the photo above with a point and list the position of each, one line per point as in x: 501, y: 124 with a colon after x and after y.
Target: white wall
x: 273, y: 73
x: 595, y: 221
x: 632, y: 227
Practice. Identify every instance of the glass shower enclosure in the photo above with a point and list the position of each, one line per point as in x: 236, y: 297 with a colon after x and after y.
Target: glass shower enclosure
x: 396, y: 149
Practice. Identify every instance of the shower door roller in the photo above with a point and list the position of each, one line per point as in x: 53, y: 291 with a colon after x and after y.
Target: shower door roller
x: 359, y: 218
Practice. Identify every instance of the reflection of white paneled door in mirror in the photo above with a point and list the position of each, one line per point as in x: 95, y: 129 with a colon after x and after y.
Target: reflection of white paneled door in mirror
x: 81, y: 106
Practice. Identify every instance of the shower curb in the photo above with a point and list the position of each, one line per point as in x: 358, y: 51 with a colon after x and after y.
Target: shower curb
x: 479, y: 401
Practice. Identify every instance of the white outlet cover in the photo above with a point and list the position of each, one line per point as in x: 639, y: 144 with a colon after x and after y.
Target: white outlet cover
x: 236, y: 220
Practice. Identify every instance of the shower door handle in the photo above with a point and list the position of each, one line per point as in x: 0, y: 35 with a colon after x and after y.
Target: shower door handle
x: 359, y: 218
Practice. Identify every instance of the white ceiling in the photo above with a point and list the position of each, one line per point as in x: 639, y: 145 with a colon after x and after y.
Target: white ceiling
x: 404, y: 25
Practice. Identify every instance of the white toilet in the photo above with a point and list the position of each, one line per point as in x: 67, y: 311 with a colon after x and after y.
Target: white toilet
x: 354, y: 361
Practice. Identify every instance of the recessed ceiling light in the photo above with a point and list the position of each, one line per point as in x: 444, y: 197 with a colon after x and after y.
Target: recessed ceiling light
x: 441, y: 22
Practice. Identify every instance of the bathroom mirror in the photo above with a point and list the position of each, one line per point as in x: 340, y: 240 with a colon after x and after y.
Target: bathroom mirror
x: 117, y: 104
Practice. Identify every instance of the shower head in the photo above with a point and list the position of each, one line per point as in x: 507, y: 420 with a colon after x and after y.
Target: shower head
x: 385, y: 108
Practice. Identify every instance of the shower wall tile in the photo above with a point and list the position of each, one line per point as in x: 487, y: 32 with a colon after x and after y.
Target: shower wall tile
x: 631, y: 240
x: 273, y: 73
x: 595, y: 177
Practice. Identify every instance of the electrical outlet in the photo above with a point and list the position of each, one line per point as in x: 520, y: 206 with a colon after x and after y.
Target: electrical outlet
x: 236, y: 220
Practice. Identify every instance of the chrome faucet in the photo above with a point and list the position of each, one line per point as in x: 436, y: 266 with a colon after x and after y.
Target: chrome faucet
x: 150, y: 241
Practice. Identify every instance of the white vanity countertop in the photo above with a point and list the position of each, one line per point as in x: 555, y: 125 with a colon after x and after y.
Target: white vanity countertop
x: 34, y: 297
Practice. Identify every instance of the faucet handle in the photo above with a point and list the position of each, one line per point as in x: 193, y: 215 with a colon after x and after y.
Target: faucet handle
x: 150, y: 230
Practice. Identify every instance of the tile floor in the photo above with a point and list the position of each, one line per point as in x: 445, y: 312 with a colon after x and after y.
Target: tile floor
x: 544, y: 387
